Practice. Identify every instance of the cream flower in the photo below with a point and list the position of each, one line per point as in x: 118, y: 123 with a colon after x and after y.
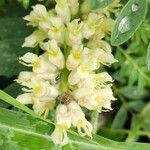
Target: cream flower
x: 42, y: 105
x: 41, y: 88
x: 98, y: 43
x: 90, y: 25
x: 34, y: 39
x: 74, y: 6
x: 78, y: 119
x: 26, y: 98
x: 63, y: 10
x: 38, y: 14
x: 104, y: 57
x: 39, y: 64
x: 74, y: 32
x: 54, y: 53
x: 85, y: 7
x: 104, y: 98
x: 25, y: 77
x: 78, y: 74
x: 56, y: 29
x: 74, y: 58
x: 63, y: 123
x: 95, y: 80
x: 94, y: 99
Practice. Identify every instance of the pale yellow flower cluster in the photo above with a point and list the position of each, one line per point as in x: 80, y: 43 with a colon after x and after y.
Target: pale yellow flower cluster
x: 64, y: 75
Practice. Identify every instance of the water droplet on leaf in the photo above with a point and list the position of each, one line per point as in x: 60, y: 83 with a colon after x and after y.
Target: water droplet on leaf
x: 134, y: 7
x: 124, y: 25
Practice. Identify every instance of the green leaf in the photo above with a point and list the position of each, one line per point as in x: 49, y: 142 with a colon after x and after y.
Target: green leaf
x: 141, y: 83
x: 120, y: 118
x: 148, y: 58
x: 137, y: 106
x: 10, y: 51
x: 137, y: 64
x: 21, y: 131
x: 2, y: 4
x: 146, y: 113
x: 14, y: 27
x: 13, y: 89
x: 133, y: 76
x: 96, y: 4
x: 132, y: 93
x: 139, y: 122
x: 12, y: 34
x: 128, y: 21
x: 118, y: 123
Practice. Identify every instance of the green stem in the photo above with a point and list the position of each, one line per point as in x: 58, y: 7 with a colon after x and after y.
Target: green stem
x: 65, y: 73
x: 94, y: 121
x: 64, y: 81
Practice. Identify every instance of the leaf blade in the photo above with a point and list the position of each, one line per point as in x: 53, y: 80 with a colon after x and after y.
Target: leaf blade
x: 19, y: 130
x: 128, y: 21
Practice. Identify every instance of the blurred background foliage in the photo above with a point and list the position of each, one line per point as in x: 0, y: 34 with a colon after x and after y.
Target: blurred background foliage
x: 130, y: 119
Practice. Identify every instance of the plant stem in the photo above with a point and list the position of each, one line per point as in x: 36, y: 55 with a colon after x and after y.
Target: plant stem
x: 64, y: 80
x: 65, y: 73
x: 94, y: 120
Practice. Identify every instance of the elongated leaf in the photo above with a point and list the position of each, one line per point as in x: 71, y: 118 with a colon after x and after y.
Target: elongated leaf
x: 13, y: 89
x: 138, y: 122
x: 7, y: 98
x: 120, y: 118
x: 100, y: 3
x: 132, y: 93
x: 141, y: 83
x: 133, y: 76
x: 137, y: 106
x: 21, y: 131
x: 128, y: 21
x: 118, y: 123
x: 148, y: 58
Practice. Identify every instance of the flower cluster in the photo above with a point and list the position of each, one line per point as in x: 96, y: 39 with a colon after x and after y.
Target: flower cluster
x: 65, y: 76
